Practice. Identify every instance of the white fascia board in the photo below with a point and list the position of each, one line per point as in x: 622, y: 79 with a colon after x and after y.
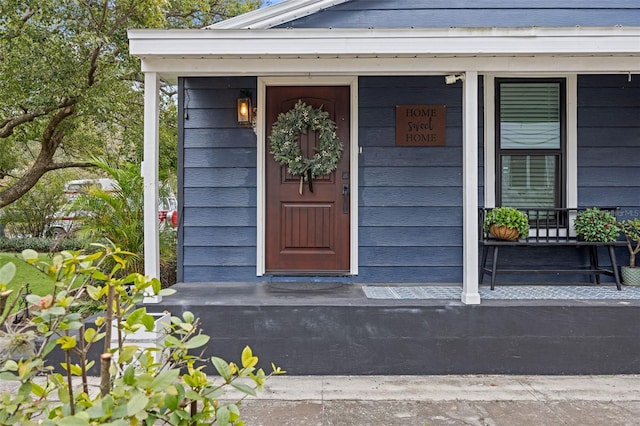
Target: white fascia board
x: 384, y: 42
x: 277, y: 14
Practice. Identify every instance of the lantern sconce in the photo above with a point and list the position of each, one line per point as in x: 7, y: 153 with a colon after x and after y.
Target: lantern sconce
x: 246, y: 112
x: 451, y: 79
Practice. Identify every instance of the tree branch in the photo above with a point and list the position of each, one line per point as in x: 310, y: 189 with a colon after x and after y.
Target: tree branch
x: 68, y: 164
x: 7, y: 125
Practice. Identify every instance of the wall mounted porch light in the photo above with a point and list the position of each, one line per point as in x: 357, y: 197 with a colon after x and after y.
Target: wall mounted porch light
x: 451, y: 79
x: 245, y: 110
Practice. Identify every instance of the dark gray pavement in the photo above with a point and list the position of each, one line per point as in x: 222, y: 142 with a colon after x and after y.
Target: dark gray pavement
x: 446, y: 400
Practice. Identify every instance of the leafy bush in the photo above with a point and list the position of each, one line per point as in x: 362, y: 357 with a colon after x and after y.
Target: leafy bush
x: 31, y: 214
x: 596, y: 225
x: 138, y: 385
x: 46, y: 245
x: 508, y: 217
x: 118, y: 215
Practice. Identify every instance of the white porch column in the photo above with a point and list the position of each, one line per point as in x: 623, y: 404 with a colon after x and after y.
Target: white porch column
x: 470, y: 293
x: 150, y: 177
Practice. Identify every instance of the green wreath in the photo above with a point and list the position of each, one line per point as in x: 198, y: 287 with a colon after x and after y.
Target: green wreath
x: 286, y: 149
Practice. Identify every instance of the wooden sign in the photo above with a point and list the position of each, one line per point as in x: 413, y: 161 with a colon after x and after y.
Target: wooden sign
x: 421, y: 125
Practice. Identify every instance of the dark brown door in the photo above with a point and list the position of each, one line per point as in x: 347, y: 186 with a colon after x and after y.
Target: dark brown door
x: 308, y: 232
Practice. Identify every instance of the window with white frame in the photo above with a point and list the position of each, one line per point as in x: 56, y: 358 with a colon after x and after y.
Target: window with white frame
x: 530, y: 147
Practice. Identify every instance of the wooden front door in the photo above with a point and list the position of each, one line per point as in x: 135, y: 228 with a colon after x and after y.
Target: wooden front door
x: 308, y: 233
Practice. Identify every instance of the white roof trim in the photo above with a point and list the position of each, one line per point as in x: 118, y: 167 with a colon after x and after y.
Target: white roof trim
x: 277, y: 14
x: 317, y: 43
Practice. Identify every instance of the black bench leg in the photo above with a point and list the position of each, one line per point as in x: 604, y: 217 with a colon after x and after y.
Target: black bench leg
x: 483, y: 262
x: 614, y: 266
x: 494, y: 266
x: 595, y: 264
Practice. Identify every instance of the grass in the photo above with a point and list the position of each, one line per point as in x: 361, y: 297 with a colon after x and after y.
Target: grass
x: 38, y: 282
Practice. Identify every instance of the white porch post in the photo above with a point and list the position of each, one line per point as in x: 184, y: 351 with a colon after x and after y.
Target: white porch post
x: 470, y: 293
x: 150, y: 177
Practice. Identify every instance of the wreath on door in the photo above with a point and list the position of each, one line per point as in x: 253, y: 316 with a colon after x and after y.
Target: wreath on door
x: 286, y: 149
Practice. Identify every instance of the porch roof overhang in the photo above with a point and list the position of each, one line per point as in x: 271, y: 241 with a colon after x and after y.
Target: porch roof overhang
x: 382, y: 51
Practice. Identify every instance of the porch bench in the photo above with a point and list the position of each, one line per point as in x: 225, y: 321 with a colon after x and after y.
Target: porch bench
x: 549, y: 227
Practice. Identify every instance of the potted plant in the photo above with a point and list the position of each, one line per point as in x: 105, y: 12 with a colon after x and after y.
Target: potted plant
x: 506, y: 223
x: 630, y: 228
x: 596, y: 225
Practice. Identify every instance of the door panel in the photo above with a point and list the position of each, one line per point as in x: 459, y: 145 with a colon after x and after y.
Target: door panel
x: 308, y: 232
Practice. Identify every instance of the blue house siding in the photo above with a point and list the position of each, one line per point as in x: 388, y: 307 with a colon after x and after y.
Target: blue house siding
x: 410, y: 212
x: 609, y: 142
x: 218, y: 182
x: 410, y: 197
x: 473, y: 13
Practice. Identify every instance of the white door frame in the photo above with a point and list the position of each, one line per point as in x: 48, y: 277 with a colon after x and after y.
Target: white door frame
x: 263, y: 82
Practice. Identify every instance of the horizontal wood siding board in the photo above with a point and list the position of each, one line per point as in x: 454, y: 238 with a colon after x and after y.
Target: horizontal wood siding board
x: 220, y: 157
x: 203, y: 236
x: 432, y: 90
x: 411, y: 176
x: 220, y: 197
x: 488, y: 4
x: 608, y: 196
x: 204, y: 274
x: 609, y: 157
x: 217, y: 177
x: 220, y: 256
x: 589, y: 137
x: 211, y: 98
x: 225, y: 83
x: 615, y: 81
x: 598, y: 97
x: 220, y: 138
x: 411, y: 156
x: 212, y: 216
x: 467, y: 18
x: 226, y: 117
x: 440, y: 196
x: 612, y: 115
x: 410, y: 216
x: 608, y: 177
x: 411, y: 256
x: 388, y: 236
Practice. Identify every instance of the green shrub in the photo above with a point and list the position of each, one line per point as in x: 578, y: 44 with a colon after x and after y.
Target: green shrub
x: 166, y: 384
x: 596, y: 225
x: 45, y: 245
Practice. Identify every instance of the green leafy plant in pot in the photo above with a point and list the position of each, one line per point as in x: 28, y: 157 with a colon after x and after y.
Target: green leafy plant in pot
x: 596, y: 225
x: 506, y: 223
x: 630, y: 228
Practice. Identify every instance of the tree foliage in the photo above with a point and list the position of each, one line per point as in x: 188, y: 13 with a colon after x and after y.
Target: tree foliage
x: 69, y: 85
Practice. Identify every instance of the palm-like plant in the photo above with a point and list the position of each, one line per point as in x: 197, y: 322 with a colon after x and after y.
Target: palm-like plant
x: 117, y: 215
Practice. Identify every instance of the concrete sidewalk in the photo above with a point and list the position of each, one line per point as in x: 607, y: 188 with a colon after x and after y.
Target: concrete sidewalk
x: 446, y: 400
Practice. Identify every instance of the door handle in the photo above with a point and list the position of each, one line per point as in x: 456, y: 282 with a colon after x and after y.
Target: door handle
x: 345, y: 198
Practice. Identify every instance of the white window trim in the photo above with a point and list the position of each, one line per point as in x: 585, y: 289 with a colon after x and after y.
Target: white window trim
x: 571, y: 149
x: 263, y: 82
